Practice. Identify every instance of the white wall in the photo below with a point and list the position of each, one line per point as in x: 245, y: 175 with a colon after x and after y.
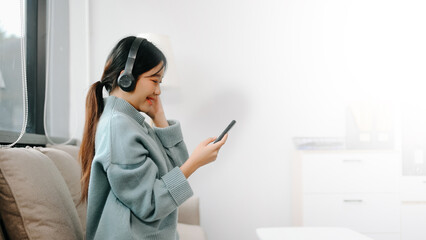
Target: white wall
x: 58, y: 68
x: 281, y: 69
x: 79, y: 64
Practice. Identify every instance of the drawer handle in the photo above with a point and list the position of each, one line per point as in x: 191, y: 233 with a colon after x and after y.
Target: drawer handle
x: 353, y: 200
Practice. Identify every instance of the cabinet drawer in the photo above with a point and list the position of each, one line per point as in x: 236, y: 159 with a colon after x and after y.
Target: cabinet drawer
x: 348, y: 173
x: 364, y: 213
x: 413, y: 189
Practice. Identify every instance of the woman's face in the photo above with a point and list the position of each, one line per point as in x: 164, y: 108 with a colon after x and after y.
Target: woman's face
x: 147, y: 88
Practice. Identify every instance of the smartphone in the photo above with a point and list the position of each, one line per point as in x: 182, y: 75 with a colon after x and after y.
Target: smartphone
x: 225, y: 131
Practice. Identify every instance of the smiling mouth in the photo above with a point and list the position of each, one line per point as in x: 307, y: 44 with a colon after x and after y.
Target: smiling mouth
x: 149, y: 100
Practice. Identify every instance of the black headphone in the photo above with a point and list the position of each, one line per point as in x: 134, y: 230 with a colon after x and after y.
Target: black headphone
x: 126, y: 80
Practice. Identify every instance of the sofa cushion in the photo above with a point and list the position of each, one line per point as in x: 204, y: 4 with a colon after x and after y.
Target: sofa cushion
x: 190, y: 232
x: 70, y: 149
x: 35, y: 200
x: 71, y: 172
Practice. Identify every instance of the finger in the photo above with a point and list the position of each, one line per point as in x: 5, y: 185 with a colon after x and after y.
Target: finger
x: 208, y: 141
x: 222, y: 141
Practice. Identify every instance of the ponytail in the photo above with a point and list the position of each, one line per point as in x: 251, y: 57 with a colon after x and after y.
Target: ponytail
x: 94, y: 108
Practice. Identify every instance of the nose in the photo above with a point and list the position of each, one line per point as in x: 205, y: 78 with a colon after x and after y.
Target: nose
x: 157, y: 90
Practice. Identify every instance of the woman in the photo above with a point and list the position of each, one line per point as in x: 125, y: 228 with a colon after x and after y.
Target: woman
x: 135, y: 176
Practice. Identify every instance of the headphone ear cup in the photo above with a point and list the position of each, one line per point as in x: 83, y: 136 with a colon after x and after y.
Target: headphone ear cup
x: 126, y: 82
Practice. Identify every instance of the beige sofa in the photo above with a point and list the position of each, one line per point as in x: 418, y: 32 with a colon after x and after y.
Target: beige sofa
x: 40, y: 191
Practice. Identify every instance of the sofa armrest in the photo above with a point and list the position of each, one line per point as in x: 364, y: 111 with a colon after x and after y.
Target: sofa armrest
x: 189, y: 212
x: 190, y: 232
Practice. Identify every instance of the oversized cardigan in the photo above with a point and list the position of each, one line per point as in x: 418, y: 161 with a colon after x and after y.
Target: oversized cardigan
x: 136, y: 184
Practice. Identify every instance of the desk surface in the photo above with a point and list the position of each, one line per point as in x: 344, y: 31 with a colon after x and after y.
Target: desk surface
x: 309, y: 233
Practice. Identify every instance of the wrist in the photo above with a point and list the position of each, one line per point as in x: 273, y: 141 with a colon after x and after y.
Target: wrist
x: 189, y: 167
x: 160, y: 120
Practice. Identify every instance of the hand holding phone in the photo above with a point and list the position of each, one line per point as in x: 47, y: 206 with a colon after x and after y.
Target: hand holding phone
x: 225, y: 131
x: 204, y: 153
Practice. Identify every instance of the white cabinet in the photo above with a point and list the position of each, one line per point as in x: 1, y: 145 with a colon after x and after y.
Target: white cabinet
x: 413, y: 221
x: 413, y: 208
x: 352, y: 189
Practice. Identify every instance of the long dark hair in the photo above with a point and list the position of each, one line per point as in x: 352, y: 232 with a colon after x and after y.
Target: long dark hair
x: 148, y: 56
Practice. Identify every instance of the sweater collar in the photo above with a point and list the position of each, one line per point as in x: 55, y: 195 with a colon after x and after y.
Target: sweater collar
x: 121, y: 105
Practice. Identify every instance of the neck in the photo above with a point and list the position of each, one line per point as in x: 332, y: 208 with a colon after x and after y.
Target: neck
x: 123, y: 95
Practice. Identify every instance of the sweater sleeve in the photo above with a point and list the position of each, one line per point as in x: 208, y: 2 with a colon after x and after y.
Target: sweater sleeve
x: 172, y: 140
x: 135, y: 180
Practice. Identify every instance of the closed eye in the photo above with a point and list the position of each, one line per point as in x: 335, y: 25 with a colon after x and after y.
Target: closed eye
x: 157, y: 81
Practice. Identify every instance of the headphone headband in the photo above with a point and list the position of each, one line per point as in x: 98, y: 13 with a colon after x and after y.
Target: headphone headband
x: 132, y: 54
x: 126, y: 80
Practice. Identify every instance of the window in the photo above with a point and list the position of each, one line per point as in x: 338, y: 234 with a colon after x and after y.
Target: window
x: 37, y: 12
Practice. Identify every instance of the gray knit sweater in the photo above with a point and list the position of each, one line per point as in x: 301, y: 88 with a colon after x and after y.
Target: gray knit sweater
x: 136, y: 184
